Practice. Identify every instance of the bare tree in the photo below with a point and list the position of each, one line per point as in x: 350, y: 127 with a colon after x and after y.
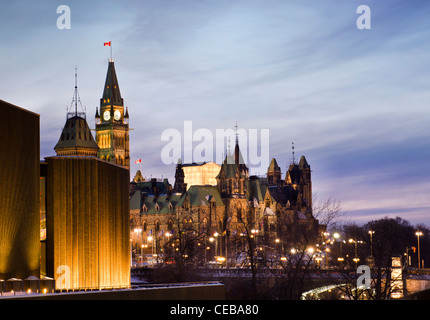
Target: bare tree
x: 328, y: 211
x: 245, y: 242
x: 183, y: 249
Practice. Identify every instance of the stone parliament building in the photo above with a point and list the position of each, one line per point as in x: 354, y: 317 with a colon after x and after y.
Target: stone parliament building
x: 274, y: 208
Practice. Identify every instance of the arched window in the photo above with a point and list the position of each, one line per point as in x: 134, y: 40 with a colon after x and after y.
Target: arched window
x: 267, y: 202
x: 170, y: 225
x: 204, y: 225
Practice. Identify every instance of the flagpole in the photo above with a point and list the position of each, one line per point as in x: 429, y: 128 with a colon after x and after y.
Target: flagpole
x: 110, y: 52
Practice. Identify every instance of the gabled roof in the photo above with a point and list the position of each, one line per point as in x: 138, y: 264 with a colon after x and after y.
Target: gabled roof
x: 136, y: 201
x: 229, y: 168
x: 148, y: 187
x: 293, y: 174
x: 285, y: 195
x: 76, y: 134
x: 159, y: 205
x: 256, y: 188
x: 303, y: 164
x: 273, y: 167
x: 202, y: 196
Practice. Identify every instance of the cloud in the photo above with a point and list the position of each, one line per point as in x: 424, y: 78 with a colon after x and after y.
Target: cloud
x: 354, y: 102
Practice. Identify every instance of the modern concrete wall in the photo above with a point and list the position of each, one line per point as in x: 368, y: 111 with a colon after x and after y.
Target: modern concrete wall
x: 172, y: 292
x: 19, y: 192
x: 87, y: 219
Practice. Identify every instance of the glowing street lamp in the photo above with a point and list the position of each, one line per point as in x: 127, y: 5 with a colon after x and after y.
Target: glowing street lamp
x: 371, y: 232
x: 356, y: 259
x: 418, y: 234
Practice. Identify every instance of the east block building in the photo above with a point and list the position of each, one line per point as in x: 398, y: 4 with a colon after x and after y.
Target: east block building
x: 272, y: 207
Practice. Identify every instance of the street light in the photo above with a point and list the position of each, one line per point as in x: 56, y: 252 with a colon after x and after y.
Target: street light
x: 212, y: 239
x: 139, y: 231
x: 356, y: 258
x: 418, y: 234
x: 151, y: 239
x: 371, y: 232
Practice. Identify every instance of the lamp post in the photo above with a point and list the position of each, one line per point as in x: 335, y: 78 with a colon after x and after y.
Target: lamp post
x: 151, y: 239
x: 337, y: 237
x: 371, y: 232
x: 216, y: 234
x: 418, y: 234
x: 139, y: 231
x: 356, y: 258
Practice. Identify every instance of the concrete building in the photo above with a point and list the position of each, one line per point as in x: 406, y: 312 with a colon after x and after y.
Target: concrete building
x: 19, y: 193
x: 87, y: 223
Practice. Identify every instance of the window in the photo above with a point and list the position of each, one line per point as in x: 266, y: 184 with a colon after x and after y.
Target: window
x: 205, y: 225
x: 187, y: 224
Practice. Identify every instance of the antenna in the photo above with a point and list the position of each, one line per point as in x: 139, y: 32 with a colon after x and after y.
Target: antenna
x: 294, y: 158
x: 76, y: 91
x: 236, y: 133
x: 75, y: 100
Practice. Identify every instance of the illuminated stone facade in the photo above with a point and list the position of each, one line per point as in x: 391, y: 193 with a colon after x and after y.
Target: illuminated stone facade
x: 112, y: 130
x: 87, y: 221
x: 273, y: 207
x: 19, y: 193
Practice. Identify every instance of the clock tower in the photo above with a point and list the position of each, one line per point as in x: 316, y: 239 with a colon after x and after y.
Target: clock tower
x: 112, y: 131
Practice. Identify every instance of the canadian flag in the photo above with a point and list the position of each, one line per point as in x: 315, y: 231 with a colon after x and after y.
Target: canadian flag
x: 138, y: 161
x: 106, y: 44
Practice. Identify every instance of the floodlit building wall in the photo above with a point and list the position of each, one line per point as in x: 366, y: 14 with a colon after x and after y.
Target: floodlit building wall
x: 19, y: 193
x: 87, y: 219
x: 201, y: 174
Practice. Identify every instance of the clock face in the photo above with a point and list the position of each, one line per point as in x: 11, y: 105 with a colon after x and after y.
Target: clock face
x: 106, y: 115
x: 117, y: 115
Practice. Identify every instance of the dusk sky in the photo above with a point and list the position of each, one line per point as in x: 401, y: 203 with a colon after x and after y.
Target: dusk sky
x: 354, y: 102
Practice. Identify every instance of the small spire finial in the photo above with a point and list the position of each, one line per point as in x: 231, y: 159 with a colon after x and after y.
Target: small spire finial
x: 76, y: 99
x: 294, y: 158
x: 236, y: 133
x: 76, y: 90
